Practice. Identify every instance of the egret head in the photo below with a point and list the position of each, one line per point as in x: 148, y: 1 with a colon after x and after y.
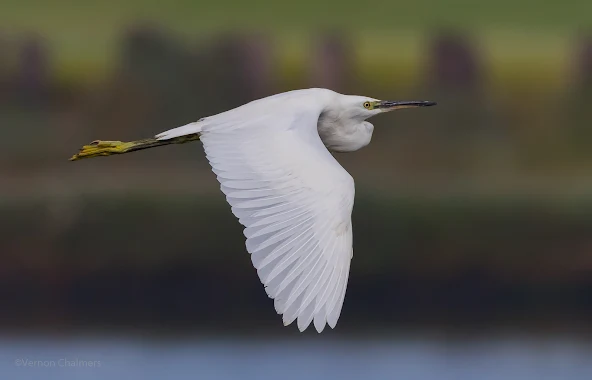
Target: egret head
x: 362, y: 108
x: 342, y: 125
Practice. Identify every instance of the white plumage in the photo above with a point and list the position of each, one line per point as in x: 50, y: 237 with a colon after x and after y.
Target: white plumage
x: 290, y: 194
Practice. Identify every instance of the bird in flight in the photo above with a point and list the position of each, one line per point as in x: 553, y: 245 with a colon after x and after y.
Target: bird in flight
x: 272, y: 159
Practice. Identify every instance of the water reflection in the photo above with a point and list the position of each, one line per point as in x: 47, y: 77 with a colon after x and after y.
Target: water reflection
x: 314, y: 357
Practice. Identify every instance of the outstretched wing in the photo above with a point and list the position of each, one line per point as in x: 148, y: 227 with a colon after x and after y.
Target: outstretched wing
x: 295, y: 201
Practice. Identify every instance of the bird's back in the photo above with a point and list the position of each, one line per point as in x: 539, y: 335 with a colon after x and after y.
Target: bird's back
x: 290, y: 102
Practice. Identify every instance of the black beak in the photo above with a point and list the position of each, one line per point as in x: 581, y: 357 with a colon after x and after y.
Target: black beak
x: 389, y: 105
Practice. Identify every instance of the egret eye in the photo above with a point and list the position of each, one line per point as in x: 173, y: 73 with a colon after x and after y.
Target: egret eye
x: 367, y: 105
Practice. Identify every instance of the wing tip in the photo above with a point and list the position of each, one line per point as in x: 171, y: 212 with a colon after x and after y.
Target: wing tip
x: 319, y: 324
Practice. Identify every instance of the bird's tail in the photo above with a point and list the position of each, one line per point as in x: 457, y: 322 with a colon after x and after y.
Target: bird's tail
x: 107, y: 148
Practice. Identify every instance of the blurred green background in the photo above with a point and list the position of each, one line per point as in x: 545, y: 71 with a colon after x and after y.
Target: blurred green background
x: 472, y: 223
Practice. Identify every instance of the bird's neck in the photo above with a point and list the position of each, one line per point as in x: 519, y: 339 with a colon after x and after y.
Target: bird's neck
x: 343, y: 134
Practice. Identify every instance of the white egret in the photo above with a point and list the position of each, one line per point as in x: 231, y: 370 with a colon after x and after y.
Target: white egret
x: 288, y: 191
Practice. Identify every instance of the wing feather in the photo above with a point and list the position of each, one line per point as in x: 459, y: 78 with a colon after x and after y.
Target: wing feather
x: 295, y: 202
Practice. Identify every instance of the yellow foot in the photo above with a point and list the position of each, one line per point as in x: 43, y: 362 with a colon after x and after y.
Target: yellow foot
x: 101, y: 148
x: 106, y: 148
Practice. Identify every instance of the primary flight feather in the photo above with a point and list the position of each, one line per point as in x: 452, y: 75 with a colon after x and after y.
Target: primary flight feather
x: 271, y: 157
